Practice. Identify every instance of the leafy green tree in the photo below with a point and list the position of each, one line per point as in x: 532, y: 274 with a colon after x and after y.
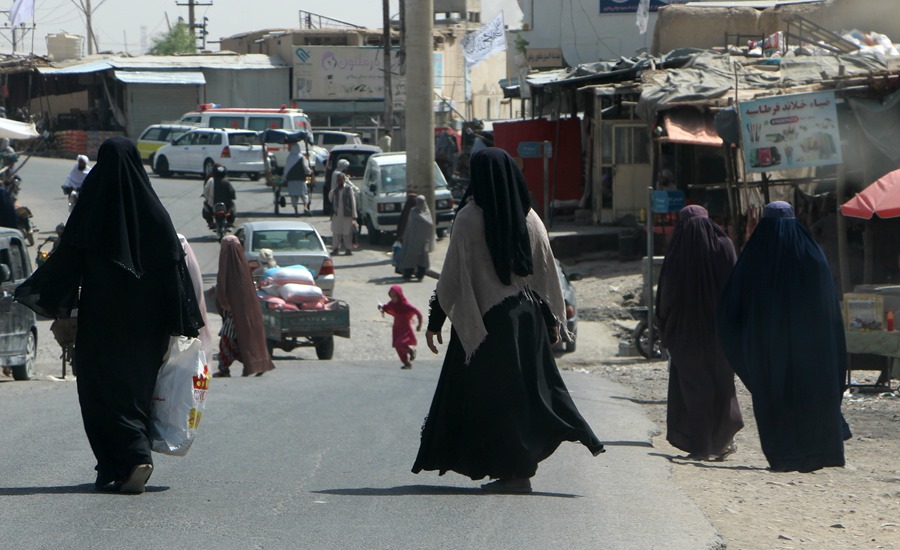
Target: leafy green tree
x: 179, y: 39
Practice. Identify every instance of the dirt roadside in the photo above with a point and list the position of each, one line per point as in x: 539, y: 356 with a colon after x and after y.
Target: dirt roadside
x: 857, y: 506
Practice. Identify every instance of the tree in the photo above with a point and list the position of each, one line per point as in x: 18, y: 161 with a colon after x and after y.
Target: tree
x: 179, y: 39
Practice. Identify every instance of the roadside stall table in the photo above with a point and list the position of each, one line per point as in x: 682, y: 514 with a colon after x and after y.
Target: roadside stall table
x: 883, y: 343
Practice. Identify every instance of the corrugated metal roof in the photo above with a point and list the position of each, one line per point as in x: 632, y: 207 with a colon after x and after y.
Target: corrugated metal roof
x: 160, y: 77
x: 157, y: 62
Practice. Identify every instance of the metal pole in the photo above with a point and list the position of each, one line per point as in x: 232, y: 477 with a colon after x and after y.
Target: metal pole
x: 388, y: 90
x: 649, y: 294
x: 546, y: 158
x: 419, y: 104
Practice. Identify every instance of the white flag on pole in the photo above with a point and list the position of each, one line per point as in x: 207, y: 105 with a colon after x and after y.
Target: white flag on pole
x: 479, y: 45
x: 21, y: 11
x: 643, y: 15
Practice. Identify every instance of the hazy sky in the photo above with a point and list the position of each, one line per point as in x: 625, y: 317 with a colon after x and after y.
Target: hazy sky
x: 126, y: 25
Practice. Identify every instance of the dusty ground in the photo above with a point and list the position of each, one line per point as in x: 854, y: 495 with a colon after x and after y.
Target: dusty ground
x: 857, y: 506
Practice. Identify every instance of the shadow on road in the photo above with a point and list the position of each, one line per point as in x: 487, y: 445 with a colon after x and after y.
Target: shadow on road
x: 641, y: 401
x: 426, y: 490
x: 65, y: 490
x: 685, y: 461
x: 627, y: 444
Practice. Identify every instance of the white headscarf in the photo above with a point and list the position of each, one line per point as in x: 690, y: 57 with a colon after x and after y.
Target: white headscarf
x: 76, y: 175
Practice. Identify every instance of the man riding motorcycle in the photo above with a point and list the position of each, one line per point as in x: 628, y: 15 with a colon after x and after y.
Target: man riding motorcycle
x: 218, y: 189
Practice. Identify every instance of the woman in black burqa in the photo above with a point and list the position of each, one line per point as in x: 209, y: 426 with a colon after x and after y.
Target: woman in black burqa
x: 702, y: 412
x: 120, y: 264
x: 500, y: 405
x: 781, y: 328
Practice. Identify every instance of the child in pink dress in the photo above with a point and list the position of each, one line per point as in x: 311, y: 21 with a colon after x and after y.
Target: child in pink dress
x: 404, y: 339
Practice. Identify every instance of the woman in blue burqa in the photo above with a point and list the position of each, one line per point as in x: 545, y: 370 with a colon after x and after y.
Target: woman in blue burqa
x: 500, y: 406
x: 782, y: 331
x: 120, y: 264
x: 702, y: 412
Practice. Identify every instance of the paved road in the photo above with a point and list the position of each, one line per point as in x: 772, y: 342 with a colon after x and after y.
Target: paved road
x: 317, y: 453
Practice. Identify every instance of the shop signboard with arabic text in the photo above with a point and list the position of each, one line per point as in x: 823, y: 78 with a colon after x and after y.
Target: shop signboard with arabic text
x: 344, y: 73
x: 790, y: 131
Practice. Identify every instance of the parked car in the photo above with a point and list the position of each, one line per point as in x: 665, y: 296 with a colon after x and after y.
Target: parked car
x: 383, y: 192
x: 18, y: 324
x: 258, y: 120
x: 195, y: 152
x: 357, y: 155
x: 157, y: 135
x: 330, y: 139
x: 292, y: 243
x: 568, y: 291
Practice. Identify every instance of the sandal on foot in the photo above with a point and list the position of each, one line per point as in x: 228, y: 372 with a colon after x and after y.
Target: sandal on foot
x: 134, y: 483
x: 729, y: 450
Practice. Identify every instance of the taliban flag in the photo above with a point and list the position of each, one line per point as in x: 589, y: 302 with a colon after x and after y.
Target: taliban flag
x: 21, y: 11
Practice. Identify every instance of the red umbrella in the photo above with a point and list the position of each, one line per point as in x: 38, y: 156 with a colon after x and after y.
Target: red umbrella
x: 882, y: 198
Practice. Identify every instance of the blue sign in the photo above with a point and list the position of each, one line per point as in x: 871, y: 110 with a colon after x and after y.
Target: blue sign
x: 534, y: 149
x: 667, y: 201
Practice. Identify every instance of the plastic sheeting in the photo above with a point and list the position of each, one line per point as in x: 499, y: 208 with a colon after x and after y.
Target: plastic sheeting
x: 14, y: 129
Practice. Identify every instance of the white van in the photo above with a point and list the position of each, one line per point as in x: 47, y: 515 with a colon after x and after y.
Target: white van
x: 208, y: 116
x: 383, y: 192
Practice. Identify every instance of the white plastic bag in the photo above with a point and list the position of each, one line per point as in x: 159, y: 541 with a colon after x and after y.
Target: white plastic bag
x: 179, y: 396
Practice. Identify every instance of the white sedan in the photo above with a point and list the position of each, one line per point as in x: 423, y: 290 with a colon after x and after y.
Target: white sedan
x: 292, y: 243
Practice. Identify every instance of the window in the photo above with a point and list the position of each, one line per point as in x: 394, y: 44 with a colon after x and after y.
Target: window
x: 153, y: 134
x: 203, y: 138
x: 301, y: 123
x: 215, y: 139
x: 223, y: 121
x: 393, y: 178
x: 243, y: 139
x: 287, y: 240
x: 333, y: 139
x: 174, y: 134
x: 191, y: 119
x: 632, y: 145
x: 264, y: 123
x: 17, y: 259
x: 187, y: 139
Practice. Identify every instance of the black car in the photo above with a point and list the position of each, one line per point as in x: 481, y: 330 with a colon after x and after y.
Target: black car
x: 357, y: 155
x: 18, y: 324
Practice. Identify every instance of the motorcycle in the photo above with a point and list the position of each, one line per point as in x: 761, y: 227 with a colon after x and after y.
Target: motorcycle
x: 23, y: 223
x: 220, y: 217
x: 641, y: 335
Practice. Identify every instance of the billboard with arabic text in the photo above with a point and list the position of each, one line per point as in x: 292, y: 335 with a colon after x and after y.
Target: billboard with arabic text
x: 344, y: 72
x: 790, y: 131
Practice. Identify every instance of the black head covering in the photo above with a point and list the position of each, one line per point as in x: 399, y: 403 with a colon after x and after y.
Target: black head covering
x: 697, y: 264
x: 118, y: 219
x: 119, y: 214
x: 499, y: 189
x: 782, y: 331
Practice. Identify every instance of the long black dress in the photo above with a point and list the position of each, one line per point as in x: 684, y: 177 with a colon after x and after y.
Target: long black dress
x: 702, y: 412
x: 507, y: 409
x: 121, y: 250
x: 500, y: 406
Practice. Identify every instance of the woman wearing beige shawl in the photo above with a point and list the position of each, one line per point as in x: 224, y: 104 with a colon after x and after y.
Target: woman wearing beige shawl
x: 500, y: 405
x: 242, y: 337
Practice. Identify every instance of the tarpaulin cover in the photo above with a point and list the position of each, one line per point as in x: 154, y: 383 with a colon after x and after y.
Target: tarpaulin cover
x: 881, y: 199
x: 878, y: 120
x: 690, y: 126
x: 14, y: 129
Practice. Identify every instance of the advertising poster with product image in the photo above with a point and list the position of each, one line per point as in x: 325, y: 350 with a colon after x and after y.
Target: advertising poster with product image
x: 790, y: 131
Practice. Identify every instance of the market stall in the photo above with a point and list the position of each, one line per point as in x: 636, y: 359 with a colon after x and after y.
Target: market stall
x: 869, y: 310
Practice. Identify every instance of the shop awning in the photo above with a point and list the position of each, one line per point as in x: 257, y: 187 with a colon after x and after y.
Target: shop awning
x: 691, y: 127
x: 14, y: 129
x: 160, y: 77
x: 881, y: 198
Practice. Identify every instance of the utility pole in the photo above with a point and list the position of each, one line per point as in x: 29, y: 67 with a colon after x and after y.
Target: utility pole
x: 192, y: 19
x: 388, y: 90
x: 90, y: 29
x: 419, y: 100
